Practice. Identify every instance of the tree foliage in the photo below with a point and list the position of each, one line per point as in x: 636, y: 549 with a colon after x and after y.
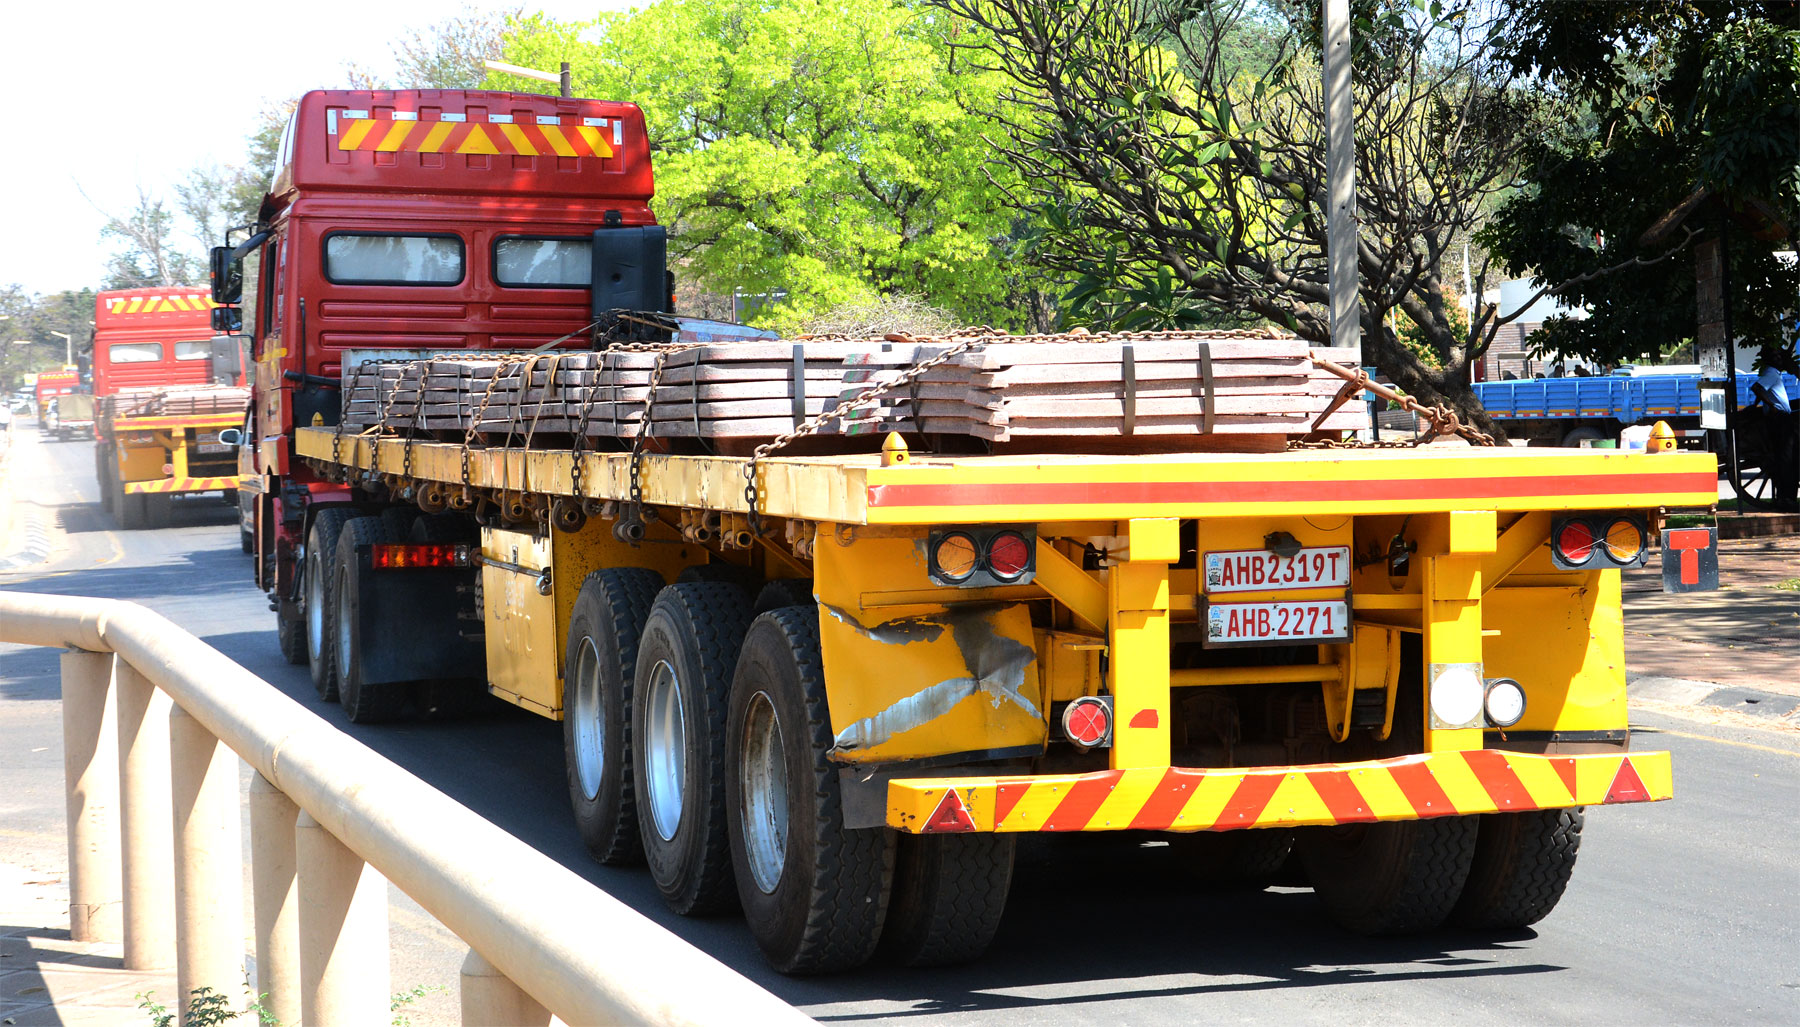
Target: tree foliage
x: 31, y: 318
x: 1171, y: 155
x: 1672, y: 97
x: 148, y: 247
x: 825, y: 149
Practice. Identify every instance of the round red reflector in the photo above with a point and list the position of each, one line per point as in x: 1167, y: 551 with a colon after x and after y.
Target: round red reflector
x: 1087, y: 721
x: 1008, y: 555
x: 1575, y: 542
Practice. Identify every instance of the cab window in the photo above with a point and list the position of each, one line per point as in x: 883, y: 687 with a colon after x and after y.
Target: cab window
x: 543, y: 262
x: 134, y: 352
x: 197, y: 350
x: 368, y: 259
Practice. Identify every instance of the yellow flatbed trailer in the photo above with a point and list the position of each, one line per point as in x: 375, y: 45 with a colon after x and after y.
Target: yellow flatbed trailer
x: 1395, y: 660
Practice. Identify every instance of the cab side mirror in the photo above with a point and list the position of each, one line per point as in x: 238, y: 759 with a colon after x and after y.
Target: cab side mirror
x: 227, y: 320
x: 227, y: 278
x: 231, y: 437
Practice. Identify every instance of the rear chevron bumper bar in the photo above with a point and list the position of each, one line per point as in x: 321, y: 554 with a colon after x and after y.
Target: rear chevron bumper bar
x: 1194, y: 799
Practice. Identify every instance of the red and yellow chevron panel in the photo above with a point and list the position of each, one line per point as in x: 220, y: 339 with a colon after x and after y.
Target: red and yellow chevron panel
x: 523, y: 139
x: 128, y: 305
x: 161, y: 485
x: 1191, y: 799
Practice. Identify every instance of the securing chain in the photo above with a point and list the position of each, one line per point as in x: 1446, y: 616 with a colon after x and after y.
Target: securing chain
x: 632, y: 517
x: 487, y: 396
x: 814, y: 424
x: 1440, y: 419
x: 337, y: 431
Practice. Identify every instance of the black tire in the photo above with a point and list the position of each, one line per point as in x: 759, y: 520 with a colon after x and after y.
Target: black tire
x: 1398, y: 877
x: 783, y: 592
x: 445, y: 529
x: 829, y: 898
x: 365, y: 702
x: 246, y: 538
x: 319, y: 599
x: 949, y: 893
x: 1523, y: 862
x: 686, y: 657
x: 1574, y: 437
x: 743, y: 577
x: 399, y: 520
x: 599, y: 667
x: 1235, y: 859
x: 290, y: 631
x: 134, y: 510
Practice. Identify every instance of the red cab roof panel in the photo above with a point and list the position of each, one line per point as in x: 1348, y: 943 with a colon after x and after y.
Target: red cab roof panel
x: 465, y: 141
x: 173, y: 307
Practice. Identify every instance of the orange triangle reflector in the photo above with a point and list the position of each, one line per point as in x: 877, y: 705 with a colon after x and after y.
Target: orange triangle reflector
x: 950, y: 817
x: 1627, y: 786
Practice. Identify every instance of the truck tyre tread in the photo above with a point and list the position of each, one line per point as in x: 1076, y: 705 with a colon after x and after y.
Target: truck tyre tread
x: 783, y: 592
x: 134, y: 510
x: 290, y: 631
x: 829, y: 904
x: 1396, y: 877
x: 1523, y: 862
x: 321, y: 558
x: 700, y: 626
x: 610, y: 609
x: 365, y: 703
x: 949, y: 893
x: 399, y: 521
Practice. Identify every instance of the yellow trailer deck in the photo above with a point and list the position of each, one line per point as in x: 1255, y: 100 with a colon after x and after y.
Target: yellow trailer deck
x: 1391, y: 646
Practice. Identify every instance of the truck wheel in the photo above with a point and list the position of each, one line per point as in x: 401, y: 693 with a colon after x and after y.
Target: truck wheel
x: 679, y: 694
x: 949, y: 892
x: 159, y: 510
x: 365, y: 702
x: 319, y: 604
x: 784, y: 592
x: 246, y: 539
x: 604, y: 630
x: 815, y: 893
x: 290, y: 631
x: 1522, y: 865
x: 1396, y: 877
x: 1584, y: 433
x: 134, y: 510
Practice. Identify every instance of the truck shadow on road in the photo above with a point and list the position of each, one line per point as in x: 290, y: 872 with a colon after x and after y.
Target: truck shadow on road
x: 80, y: 518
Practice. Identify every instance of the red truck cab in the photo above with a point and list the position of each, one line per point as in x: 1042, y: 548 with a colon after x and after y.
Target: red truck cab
x: 421, y: 221
x: 151, y: 337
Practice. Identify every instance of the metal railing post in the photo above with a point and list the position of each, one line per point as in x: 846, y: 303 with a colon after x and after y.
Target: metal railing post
x: 490, y: 997
x: 343, y: 932
x: 209, y: 868
x: 276, y: 900
x: 91, y: 774
x: 146, y: 842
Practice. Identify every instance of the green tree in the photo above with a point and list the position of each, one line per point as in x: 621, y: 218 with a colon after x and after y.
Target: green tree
x: 1674, y: 98
x: 825, y: 149
x: 147, y: 248
x: 1182, y: 142
x: 31, y: 319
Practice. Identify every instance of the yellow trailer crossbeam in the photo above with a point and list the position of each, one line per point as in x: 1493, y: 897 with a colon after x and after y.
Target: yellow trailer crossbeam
x: 1194, y: 799
x: 857, y: 489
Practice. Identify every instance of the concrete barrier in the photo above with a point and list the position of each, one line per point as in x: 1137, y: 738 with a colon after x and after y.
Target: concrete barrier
x: 543, y: 941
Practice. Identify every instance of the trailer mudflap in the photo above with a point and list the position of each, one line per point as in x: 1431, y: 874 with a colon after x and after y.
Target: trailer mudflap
x: 1183, y: 799
x: 414, y: 613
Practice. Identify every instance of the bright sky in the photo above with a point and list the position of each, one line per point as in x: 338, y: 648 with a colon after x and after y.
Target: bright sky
x: 109, y: 95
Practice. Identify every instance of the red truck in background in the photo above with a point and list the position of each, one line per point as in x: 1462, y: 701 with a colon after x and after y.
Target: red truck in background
x: 164, y: 388
x: 402, y: 223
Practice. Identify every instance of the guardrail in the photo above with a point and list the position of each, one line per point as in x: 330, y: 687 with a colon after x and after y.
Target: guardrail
x: 151, y: 719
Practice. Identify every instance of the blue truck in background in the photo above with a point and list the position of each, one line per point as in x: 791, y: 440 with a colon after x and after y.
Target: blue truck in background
x: 1569, y: 411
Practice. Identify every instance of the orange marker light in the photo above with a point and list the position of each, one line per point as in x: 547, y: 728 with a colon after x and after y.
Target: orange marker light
x: 956, y: 556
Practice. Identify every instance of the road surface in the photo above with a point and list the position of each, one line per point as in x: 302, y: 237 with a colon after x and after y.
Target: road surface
x: 1681, y: 912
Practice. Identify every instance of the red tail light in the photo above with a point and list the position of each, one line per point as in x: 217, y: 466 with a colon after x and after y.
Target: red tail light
x: 1575, y: 542
x: 387, y: 556
x: 1087, y: 722
x: 1008, y: 555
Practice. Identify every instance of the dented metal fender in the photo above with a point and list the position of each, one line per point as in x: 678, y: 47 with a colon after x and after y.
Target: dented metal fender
x: 921, y: 680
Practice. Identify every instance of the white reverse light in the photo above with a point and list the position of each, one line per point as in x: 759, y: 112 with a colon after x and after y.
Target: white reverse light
x: 1456, y: 695
x: 1505, y: 702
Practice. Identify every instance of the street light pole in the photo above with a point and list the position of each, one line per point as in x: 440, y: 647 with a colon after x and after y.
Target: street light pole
x: 68, y: 346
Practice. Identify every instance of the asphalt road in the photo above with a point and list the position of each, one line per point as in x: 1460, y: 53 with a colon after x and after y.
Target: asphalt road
x: 1680, y: 912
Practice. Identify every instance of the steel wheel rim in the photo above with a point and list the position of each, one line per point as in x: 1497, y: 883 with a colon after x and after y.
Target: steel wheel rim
x: 590, y: 732
x: 343, y: 639
x: 665, y: 749
x: 764, y: 811
x: 315, y: 608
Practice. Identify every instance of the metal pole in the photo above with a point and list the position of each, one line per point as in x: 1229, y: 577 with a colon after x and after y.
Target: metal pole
x: 489, y: 997
x: 209, y: 867
x: 276, y: 900
x: 1340, y: 183
x: 1731, y: 384
x: 567, y: 89
x: 343, y: 931
x: 146, y: 844
x: 91, y: 773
